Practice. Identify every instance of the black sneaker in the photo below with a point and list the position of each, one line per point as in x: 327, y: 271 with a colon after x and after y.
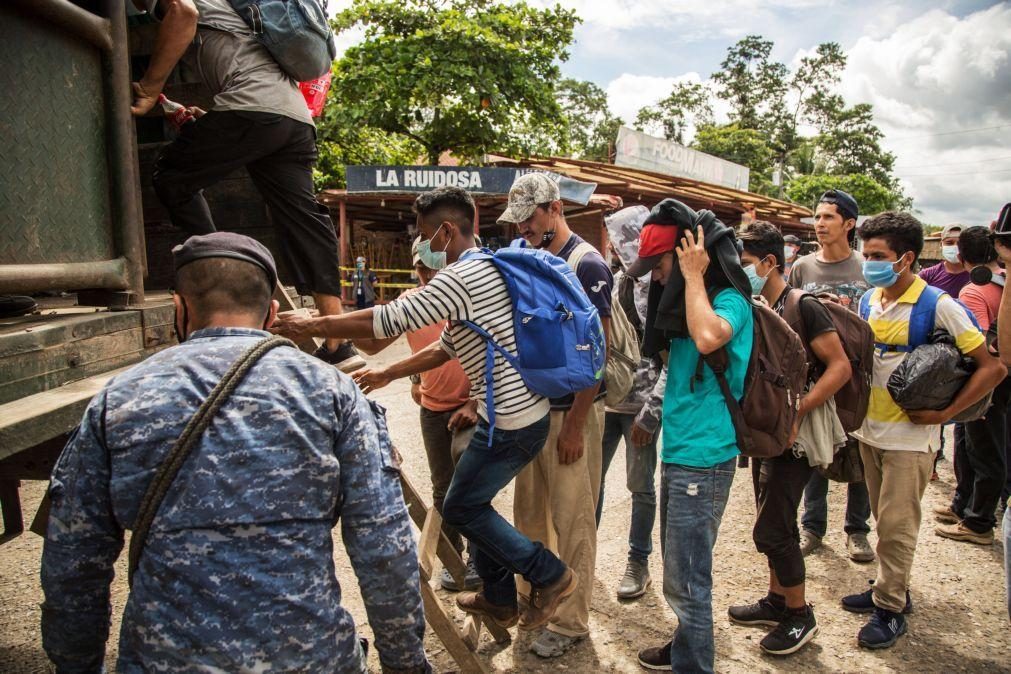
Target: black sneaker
x: 346, y: 358
x: 882, y: 630
x: 656, y: 658
x: 864, y: 602
x: 791, y: 634
x: 763, y: 612
x: 16, y: 305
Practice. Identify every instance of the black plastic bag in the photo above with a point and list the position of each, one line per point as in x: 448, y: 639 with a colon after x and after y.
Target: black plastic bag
x: 931, y: 375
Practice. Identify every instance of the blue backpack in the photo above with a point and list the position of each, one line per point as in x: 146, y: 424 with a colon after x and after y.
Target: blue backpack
x: 295, y: 32
x: 559, y: 336
x: 921, y: 319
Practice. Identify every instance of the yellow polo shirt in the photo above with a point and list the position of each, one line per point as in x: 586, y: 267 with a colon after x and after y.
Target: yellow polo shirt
x: 886, y: 425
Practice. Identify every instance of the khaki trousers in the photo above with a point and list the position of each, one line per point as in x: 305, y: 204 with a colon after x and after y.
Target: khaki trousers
x: 556, y: 505
x: 896, y: 481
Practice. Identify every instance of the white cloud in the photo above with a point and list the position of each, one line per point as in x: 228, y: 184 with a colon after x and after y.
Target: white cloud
x: 695, y: 18
x: 934, y: 75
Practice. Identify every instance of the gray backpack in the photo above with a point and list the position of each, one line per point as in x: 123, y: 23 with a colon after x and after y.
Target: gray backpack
x: 295, y: 32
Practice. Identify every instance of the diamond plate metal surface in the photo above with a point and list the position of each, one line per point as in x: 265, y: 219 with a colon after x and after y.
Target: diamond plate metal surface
x: 54, y: 181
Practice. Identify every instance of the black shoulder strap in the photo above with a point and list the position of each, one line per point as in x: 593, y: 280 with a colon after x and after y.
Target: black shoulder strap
x: 196, y: 426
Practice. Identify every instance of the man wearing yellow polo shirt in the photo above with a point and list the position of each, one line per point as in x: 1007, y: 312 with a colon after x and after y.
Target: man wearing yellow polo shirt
x: 897, y: 447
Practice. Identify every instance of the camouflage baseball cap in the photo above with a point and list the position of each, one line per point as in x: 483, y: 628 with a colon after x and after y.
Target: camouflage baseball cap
x: 529, y: 190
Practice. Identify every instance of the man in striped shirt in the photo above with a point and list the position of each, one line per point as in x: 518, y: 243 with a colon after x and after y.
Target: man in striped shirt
x: 471, y: 290
x: 897, y: 446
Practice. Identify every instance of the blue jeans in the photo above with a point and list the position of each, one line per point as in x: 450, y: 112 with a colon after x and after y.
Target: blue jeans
x: 858, y: 507
x: 640, y: 467
x: 692, y: 501
x: 481, y: 473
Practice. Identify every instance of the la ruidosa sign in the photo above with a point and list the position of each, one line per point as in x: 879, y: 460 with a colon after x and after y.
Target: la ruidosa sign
x: 476, y: 179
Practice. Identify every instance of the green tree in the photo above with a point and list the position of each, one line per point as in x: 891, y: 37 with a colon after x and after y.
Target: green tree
x: 751, y: 81
x: 340, y: 145
x: 591, y: 127
x: 741, y: 146
x: 689, y: 104
x: 470, y: 76
x: 849, y: 141
x: 872, y: 196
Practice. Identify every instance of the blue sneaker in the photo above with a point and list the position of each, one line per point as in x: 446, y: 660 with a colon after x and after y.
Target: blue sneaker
x: 882, y: 630
x: 864, y: 602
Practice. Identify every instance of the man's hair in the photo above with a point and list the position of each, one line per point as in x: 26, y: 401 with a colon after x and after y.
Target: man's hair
x: 223, y: 285
x: 762, y: 240
x: 450, y: 204
x: 901, y: 231
x: 975, y: 247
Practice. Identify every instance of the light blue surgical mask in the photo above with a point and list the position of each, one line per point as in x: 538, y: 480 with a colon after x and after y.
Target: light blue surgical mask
x: 880, y: 273
x: 757, y: 282
x: 950, y: 253
x: 431, y: 258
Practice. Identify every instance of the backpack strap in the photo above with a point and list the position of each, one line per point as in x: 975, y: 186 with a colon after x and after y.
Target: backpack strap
x: 490, y: 347
x: 577, y: 255
x: 921, y: 319
x: 187, y: 440
x: 718, y: 361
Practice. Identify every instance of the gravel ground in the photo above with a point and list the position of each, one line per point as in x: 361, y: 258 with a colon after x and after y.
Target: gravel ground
x: 959, y: 624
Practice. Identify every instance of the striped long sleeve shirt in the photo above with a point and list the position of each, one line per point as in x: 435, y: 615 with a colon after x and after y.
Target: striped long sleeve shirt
x: 470, y: 290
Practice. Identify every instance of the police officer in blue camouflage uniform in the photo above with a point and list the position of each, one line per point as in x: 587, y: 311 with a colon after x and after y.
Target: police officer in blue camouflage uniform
x: 238, y: 571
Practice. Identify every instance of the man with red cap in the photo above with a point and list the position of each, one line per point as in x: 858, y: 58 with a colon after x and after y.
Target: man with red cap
x: 699, y: 303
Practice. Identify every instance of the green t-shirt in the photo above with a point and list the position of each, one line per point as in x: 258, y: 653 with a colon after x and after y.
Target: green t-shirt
x: 697, y: 429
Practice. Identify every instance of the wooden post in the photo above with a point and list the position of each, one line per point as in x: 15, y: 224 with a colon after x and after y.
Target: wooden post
x: 604, y: 240
x: 477, y: 219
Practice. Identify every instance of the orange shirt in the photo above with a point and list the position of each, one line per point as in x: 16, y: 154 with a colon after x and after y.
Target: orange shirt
x: 446, y: 387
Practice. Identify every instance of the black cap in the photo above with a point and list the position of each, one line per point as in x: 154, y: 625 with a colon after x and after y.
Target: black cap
x: 671, y: 212
x: 843, y: 201
x: 226, y: 244
x: 790, y: 238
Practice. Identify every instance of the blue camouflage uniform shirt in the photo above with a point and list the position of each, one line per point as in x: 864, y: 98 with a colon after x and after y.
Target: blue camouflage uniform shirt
x: 238, y: 571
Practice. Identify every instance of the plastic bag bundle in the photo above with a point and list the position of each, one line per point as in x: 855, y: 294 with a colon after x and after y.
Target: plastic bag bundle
x: 931, y: 375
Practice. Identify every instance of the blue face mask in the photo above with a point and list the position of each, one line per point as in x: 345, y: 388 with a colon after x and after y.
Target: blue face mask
x: 757, y: 282
x: 880, y: 273
x: 430, y: 258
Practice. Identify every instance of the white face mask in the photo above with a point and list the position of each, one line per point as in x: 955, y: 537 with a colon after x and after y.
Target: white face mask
x: 789, y: 252
x: 950, y: 253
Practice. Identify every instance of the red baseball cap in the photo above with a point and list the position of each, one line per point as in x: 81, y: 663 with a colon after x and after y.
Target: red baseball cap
x: 654, y: 241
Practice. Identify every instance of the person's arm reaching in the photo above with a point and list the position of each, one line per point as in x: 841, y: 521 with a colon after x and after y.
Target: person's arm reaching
x: 83, y: 540
x: 708, y: 330
x: 377, y: 534
x: 429, y: 358
x: 175, y: 33
x: 445, y: 297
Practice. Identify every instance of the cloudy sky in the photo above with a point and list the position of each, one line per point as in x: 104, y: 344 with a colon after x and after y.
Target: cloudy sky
x: 937, y: 73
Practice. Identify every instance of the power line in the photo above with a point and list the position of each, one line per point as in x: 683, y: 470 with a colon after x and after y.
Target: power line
x: 948, y: 133
x: 953, y: 163
x: 945, y: 175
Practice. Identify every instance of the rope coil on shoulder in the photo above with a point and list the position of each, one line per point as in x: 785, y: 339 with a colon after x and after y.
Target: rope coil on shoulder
x: 184, y: 444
